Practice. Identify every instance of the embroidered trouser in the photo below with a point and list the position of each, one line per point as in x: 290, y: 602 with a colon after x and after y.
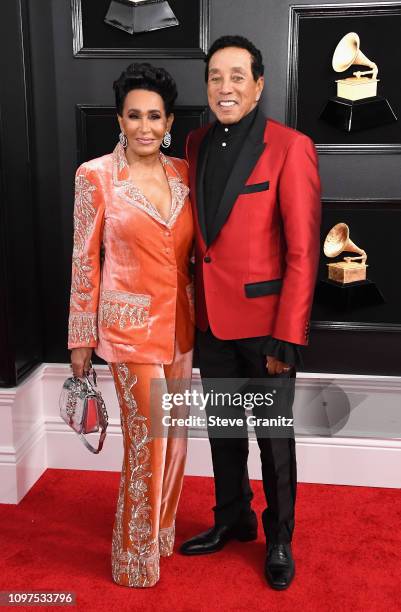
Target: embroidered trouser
x: 152, y: 470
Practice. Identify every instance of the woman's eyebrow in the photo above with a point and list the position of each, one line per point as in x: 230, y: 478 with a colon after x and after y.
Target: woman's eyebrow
x: 137, y: 110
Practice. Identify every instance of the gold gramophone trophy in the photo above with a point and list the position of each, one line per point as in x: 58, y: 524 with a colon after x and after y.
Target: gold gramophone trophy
x: 135, y: 16
x: 346, y: 286
x: 351, y: 269
x: 357, y: 105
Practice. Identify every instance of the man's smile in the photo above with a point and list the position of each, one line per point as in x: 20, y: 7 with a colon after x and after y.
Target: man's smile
x: 227, y: 103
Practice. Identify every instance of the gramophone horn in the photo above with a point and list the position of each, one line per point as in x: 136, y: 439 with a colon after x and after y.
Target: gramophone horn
x: 348, y: 53
x: 338, y: 240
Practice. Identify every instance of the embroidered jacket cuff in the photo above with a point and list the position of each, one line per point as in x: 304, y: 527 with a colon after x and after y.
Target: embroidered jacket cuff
x: 82, y: 330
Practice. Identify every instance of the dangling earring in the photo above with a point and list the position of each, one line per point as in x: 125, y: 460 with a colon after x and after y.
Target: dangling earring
x: 166, y: 140
x: 123, y: 140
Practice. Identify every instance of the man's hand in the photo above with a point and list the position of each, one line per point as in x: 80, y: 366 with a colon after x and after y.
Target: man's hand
x: 80, y: 361
x: 274, y: 366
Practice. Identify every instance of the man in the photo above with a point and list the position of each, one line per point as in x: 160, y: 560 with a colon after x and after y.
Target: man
x: 256, y: 196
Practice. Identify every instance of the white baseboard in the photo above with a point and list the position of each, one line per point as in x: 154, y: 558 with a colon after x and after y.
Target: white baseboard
x: 353, y: 442
x: 369, y: 463
x: 22, y: 439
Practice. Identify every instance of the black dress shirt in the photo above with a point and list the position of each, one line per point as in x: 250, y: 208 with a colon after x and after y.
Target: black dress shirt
x: 224, y: 145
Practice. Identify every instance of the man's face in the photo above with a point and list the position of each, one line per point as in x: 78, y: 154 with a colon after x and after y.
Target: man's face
x: 231, y: 89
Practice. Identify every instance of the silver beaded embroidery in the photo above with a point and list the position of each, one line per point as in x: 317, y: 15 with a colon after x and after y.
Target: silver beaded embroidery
x: 134, y: 196
x: 179, y: 192
x: 137, y: 562
x: 136, y: 299
x: 82, y: 327
x: 80, y: 283
x: 84, y: 212
x: 166, y: 541
x: 118, y: 307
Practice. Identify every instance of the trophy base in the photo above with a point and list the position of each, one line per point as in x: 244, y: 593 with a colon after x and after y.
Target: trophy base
x: 345, y: 272
x: 353, y: 115
x: 348, y: 296
x: 145, y: 16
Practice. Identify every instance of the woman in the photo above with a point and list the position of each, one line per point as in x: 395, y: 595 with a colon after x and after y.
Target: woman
x: 135, y: 309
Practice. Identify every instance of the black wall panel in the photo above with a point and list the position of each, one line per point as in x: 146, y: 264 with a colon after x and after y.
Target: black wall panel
x: 21, y: 324
x: 41, y: 145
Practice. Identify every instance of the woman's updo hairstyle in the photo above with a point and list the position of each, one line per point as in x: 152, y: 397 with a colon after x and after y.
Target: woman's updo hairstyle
x: 145, y: 76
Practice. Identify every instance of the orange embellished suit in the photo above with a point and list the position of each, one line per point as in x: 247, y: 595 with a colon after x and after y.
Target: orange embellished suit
x: 134, y: 307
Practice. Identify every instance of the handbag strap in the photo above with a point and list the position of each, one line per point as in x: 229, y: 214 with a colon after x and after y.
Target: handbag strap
x: 90, y: 383
x: 100, y: 443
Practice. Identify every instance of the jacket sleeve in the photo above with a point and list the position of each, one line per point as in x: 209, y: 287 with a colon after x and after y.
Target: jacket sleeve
x: 287, y: 352
x: 300, y: 208
x: 85, y: 280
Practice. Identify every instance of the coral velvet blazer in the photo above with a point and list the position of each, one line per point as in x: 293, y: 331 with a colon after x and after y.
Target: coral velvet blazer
x: 134, y: 306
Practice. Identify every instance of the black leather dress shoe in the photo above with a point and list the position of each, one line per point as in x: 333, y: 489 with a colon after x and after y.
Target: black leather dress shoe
x: 214, y: 539
x: 279, y: 566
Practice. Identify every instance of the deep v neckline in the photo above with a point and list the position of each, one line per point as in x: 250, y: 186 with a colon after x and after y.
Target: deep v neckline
x: 134, y: 196
x: 148, y: 202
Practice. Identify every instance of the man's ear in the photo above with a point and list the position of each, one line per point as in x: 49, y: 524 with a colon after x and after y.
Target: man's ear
x: 260, y: 83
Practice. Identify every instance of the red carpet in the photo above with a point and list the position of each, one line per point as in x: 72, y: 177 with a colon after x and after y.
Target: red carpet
x: 347, y: 547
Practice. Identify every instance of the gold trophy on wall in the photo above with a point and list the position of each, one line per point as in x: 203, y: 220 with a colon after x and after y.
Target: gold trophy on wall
x: 351, y: 269
x: 357, y: 105
x: 346, y: 286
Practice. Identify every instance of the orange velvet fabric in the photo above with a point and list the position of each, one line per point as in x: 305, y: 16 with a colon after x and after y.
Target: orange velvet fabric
x: 132, y: 301
x: 131, y: 307
x: 153, y: 468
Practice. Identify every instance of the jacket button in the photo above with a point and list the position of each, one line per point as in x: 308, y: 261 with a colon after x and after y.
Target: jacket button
x: 207, y: 259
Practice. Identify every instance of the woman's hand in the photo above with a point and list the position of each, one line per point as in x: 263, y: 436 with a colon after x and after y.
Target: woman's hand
x: 80, y: 361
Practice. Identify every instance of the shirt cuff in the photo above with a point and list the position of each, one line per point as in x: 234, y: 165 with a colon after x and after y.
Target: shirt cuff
x: 287, y: 352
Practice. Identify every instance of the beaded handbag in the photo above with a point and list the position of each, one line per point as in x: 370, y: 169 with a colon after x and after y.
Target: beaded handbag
x: 83, y: 409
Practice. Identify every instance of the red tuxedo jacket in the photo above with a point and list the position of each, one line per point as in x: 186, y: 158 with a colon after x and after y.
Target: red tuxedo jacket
x: 256, y: 274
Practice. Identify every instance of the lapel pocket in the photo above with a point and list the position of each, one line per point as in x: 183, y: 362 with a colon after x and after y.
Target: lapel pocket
x: 267, y: 287
x: 256, y: 187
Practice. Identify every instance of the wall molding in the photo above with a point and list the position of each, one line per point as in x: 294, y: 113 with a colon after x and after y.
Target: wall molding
x: 333, y: 415
x: 80, y: 50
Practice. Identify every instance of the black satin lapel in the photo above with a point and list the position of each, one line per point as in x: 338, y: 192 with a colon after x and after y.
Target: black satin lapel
x: 200, y: 175
x: 251, y: 150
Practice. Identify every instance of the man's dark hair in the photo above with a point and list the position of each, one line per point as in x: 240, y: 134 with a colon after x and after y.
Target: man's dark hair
x: 145, y: 76
x: 242, y: 43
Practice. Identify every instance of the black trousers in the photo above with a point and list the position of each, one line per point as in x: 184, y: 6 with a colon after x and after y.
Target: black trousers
x: 239, y: 359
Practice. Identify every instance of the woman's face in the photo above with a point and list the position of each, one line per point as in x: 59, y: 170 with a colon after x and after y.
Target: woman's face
x: 144, y: 121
